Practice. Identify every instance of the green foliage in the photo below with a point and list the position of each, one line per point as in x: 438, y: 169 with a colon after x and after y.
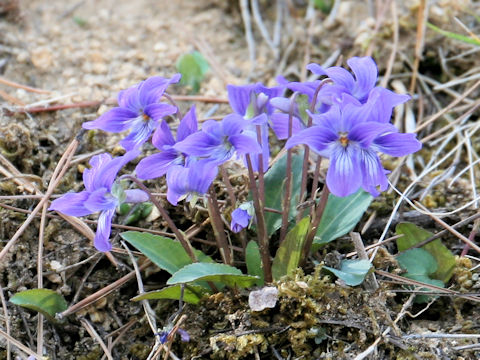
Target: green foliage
x: 45, y: 301
x: 452, y: 35
x: 140, y: 211
x: 353, y: 272
x: 191, y: 294
x: 221, y: 273
x: 419, y: 266
x: 254, y: 262
x: 275, y: 190
x: 193, y: 67
x: 443, y: 257
x: 167, y: 254
x: 340, y: 216
x: 324, y: 6
x: 289, y: 253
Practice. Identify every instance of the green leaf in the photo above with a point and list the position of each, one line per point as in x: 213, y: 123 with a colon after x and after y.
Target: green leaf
x: 444, y: 257
x: 420, y: 265
x: 191, y: 294
x: 45, y: 301
x: 275, y: 189
x: 289, y: 253
x: 193, y: 68
x: 167, y: 254
x: 340, y: 216
x: 452, y: 35
x: 417, y: 262
x: 222, y: 273
x: 254, y: 261
x: 141, y: 211
x: 353, y: 272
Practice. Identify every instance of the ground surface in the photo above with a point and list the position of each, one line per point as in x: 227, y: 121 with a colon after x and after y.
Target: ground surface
x: 87, y: 51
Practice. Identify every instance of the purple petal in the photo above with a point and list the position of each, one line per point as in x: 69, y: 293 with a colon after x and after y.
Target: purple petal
x: 72, y: 204
x: 201, y: 175
x: 341, y: 77
x: 156, y: 165
x: 244, y: 144
x: 280, y: 125
x: 163, y: 136
x: 177, y: 183
x: 97, y: 163
x: 373, y: 173
x: 105, y: 176
x: 159, y: 111
x: 366, y: 74
x: 100, y: 200
x: 138, y: 136
x: 239, y: 97
x: 344, y: 173
x: 240, y: 220
x: 183, y: 335
x: 233, y: 124
x: 316, y: 69
x: 129, y: 99
x: 135, y: 196
x: 317, y: 137
x: 188, y: 125
x: 115, y: 120
x: 364, y: 133
x: 152, y: 89
x: 104, y: 227
x: 397, y: 144
x: 198, y: 144
x: 382, y: 102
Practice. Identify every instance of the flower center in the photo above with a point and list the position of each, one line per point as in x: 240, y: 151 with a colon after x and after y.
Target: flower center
x: 145, y: 117
x: 343, y: 139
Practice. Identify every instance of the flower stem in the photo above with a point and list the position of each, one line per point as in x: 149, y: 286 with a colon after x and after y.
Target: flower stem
x: 314, y: 224
x: 261, y: 225
x: 261, y: 181
x: 179, y: 234
x: 303, y: 186
x: 228, y: 185
x: 316, y: 175
x: 217, y: 225
x: 288, y: 181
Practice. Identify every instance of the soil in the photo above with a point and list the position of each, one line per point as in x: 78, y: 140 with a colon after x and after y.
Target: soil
x: 86, y: 51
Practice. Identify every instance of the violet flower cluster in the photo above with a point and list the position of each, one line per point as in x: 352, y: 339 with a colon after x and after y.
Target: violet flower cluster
x: 350, y: 126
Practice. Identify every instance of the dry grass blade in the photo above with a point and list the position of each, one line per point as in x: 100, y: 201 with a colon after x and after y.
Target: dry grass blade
x: 24, y: 87
x: 102, y: 292
x: 97, y: 337
x: 19, y: 345
x: 407, y: 281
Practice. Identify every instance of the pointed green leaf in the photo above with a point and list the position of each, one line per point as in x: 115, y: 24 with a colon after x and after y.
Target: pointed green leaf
x: 443, y: 256
x: 417, y: 262
x: 353, y: 272
x: 340, y: 216
x: 45, y: 301
x: 254, y: 261
x: 289, y: 253
x: 275, y: 189
x: 222, y: 273
x: 191, y: 294
x: 166, y: 253
x: 420, y: 265
x: 193, y: 68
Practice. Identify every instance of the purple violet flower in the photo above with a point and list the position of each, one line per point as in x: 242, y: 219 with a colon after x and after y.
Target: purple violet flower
x: 351, y: 135
x: 190, y: 181
x: 101, y: 194
x: 361, y: 87
x: 157, y: 165
x: 139, y: 110
x: 241, y: 217
x: 218, y: 141
x: 252, y: 102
